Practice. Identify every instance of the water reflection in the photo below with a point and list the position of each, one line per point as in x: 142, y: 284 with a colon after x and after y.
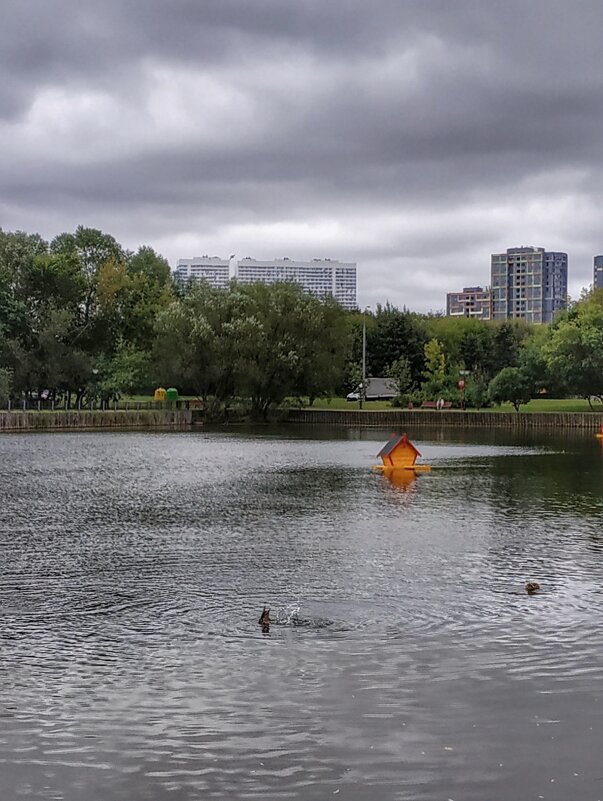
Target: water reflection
x: 403, y: 480
x: 554, y: 483
x: 404, y: 657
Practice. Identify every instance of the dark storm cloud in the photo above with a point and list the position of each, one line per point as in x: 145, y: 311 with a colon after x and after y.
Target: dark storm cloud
x: 416, y: 137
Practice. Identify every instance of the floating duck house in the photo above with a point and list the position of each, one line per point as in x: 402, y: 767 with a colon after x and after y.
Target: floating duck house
x: 399, y: 454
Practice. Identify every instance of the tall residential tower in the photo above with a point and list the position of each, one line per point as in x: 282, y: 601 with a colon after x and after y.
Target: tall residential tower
x: 598, y: 273
x: 528, y: 284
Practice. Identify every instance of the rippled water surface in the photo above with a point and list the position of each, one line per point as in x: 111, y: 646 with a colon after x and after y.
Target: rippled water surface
x: 404, y: 661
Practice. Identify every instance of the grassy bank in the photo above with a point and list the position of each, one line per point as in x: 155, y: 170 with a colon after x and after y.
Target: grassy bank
x: 538, y: 405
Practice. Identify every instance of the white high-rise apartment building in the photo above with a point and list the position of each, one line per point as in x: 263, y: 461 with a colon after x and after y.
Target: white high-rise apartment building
x: 319, y: 277
x: 213, y: 269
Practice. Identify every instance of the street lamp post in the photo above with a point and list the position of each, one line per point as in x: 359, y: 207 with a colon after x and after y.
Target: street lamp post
x: 363, y: 379
x: 362, y: 394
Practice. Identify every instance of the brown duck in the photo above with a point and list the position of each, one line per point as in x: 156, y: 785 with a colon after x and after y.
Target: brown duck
x: 264, y: 620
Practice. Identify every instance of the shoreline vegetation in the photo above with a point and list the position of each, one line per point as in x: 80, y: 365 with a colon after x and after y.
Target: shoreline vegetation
x: 85, y: 323
x: 141, y: 402
x: 557, y: 414
x: 537, y: 405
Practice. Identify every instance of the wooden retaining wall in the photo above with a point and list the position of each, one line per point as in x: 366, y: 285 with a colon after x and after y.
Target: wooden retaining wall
x: 404, y: 418
x: 83, y: 420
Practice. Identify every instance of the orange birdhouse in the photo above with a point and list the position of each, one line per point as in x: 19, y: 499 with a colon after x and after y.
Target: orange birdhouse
x: 399, y: 454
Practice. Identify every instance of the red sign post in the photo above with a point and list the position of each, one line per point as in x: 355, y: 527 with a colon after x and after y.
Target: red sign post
x: 461, y: 386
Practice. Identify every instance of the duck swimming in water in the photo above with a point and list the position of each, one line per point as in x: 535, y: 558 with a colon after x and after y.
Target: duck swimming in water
x: 532, y: 587
x: 264, y: 620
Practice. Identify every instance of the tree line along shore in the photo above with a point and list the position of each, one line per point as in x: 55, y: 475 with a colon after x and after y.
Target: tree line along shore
x: 83, y: 321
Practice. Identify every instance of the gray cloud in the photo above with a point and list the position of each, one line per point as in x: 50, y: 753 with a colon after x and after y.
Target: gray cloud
x: 414, y: 137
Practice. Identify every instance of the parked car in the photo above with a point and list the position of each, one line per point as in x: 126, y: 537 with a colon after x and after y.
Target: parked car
x: 376, y: 389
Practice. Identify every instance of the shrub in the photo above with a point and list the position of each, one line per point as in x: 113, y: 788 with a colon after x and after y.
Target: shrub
x: 5, y: 386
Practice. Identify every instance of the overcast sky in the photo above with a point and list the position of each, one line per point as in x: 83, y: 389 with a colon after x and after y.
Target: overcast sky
x: 415, y: 138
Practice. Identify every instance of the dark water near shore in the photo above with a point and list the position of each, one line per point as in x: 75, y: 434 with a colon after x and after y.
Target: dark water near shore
x: 406, y: 660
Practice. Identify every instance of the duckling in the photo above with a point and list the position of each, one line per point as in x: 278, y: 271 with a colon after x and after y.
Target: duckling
x: 264, y: 620
x: 532, y: 587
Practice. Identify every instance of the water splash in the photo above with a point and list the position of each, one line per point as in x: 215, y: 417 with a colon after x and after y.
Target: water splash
x: 291, y: 615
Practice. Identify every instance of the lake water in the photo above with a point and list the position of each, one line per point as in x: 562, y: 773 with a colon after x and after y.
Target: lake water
x: 405, y: 659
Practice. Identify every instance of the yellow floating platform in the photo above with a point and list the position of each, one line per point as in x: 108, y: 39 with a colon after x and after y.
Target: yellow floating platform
x: 414, y: 468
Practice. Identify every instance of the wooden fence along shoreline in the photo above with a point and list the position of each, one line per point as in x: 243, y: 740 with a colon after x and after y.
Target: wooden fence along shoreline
x: 74, y: 420
x: 403, y: 418
x: 85, y: 420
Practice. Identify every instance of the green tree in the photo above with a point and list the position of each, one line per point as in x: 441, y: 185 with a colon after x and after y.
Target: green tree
x: 131, y: 297
x: 466, y: 342
x: 323, y: 367
x: 512, y: 385
x: 574, y: 351
x: 533, y: 364
x: 92, y: 249
x: 151, y: 264
x: 75, y: 309
x: 396, y: 333
x: 52, y: 279
x: 5, y: 386
x: 400, y: 372
x: 476, y: 392
x: 506, y: 344
x: 149, y: 290
x: 254, y: 341
x: 186, y: 351
x: 352, y: 376
x: 291, y: 336
x: 122, y: 373
x: 18, y: 252
x: 435, y: 369
x: 50, y: 289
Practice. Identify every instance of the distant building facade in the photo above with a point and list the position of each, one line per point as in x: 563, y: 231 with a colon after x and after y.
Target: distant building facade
x: 555, y: 284
x: 528, y: 283
x: 319, y: 277
x: 598, y: 273
x: 214, y: 270
x: 473, y: 301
